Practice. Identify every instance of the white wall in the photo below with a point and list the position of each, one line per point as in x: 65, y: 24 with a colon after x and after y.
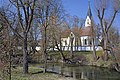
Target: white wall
x: 63, y: 41
x: 87, y: 21
x: 67, y: 40
x: 82, y: 40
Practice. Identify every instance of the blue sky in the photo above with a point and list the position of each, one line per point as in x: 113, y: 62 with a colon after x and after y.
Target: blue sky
x: 76, y: 7
x: 79, y: 8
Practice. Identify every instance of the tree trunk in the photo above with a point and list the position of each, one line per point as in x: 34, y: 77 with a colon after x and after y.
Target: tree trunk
x: 45, y: 62
x: 75, y: 47
x: 25, y: 55
x: 61, y: 52
x: 71, y: 48
x: 77, y: 44
x: 105, y: 47
x: 45, y: 51
x: 94, y: 50
x: 60, y: 49
x: 10, y: 66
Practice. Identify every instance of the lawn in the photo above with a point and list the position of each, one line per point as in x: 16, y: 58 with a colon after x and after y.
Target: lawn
x: 35, y: 73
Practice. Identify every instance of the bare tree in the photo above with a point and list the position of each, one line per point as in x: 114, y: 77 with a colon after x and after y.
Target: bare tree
x: 93, y: 39
x: 33, y: 37
x: 71, y: 44
x: 44, y: 12
x: 113, y: 36
x: 101, y: 7
x: 77, y: 26
x: 50, y: 19
x: 25, y: 12
x: 7, y: 47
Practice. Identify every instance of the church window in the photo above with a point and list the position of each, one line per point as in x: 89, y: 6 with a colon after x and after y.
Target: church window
x: 90, y: 43
x: 87, y: 21
x: 65, y: 42
x: 71, y: 35
x: 85, y: 41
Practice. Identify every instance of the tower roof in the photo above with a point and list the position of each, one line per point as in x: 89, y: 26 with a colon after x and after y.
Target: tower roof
x: 89, y: 13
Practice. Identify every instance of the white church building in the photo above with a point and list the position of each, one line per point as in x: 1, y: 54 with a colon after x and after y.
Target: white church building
x: 81, y: 37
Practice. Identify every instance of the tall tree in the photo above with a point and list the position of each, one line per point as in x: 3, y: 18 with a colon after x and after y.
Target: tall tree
x: 7, y: 47
x: 49, y: 18
x: 102, y: 8
x: 93, y: 38
x: 43, y: 13
x: 25, y: 11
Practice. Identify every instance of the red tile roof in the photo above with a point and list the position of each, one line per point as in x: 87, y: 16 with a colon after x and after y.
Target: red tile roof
x: 85, y: 31
x: 66, y: 33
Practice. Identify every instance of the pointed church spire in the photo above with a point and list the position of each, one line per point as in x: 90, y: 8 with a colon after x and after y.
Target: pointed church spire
x: 89, y: 13
x: 89, y: 16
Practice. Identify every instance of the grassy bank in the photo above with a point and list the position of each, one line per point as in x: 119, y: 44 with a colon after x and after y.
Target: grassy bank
x: 86, y: 57
x: 35, y: 73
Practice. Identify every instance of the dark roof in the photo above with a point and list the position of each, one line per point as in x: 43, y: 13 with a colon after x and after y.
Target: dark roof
x: 89, y: 13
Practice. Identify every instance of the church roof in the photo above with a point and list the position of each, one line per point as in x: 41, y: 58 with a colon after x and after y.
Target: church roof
x: 66, y: 33
x: 75, y: 30
x: 86, y: 31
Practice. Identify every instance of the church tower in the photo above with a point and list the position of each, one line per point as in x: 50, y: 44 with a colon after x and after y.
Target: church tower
x: 88, y: 20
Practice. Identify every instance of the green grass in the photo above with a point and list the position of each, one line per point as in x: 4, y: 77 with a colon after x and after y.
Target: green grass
x: 17, y: 74
x: 35, y: 73
x: 99, y: 53
x: 67, y: 54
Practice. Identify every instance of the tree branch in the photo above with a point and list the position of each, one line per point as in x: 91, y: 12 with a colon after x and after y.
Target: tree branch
x: 10, y: 26
x: 101, y: 22
x: 103, y: 12
x: 19, y: 16
x: 24, y: 14
x: 115, y: 12
x: 31, y: 17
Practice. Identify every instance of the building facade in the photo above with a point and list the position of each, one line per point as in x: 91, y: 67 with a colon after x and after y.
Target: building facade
x: 81, y: 40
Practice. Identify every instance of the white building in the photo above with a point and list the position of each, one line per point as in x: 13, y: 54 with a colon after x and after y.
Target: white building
x: 81, y: 37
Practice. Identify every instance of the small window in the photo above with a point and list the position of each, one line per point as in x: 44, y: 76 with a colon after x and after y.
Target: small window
x: 65, y: 42
x: 87, y: 21
x: 85, y: 41
x: 71, y: 35
x: 90, y: 43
